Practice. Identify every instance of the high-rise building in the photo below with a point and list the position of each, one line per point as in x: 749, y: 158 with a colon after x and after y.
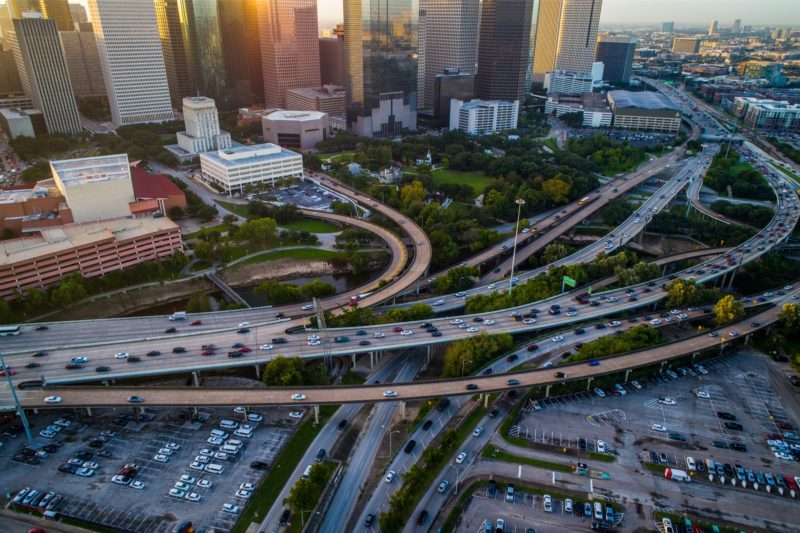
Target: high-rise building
x: 78, y: 13
x: 58, y: 10
x: 568, y: 82
x: 448, y: 85
x: 713, y: 28
x: 18, y: 7
x: 202, y: 127
x: 6, y: 27
x: 737, y: 26
x: 83, y: 63
x: 667, y: 27
x: 9, y: 75
x: 483, y: 117
x: 685, y: 45
x: 616, y: 53
x: 503, y: 49
x: 447, y: 41
x: 171, y: 19
x: 252, y: 37
x: 329, y: 99
x: 43, y: 72
x: 381, y: 46
x: 132, y: 60
x: 289, y: 47
x: 331, y: 58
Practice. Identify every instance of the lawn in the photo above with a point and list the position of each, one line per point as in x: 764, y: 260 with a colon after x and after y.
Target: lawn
x: 490, y: 452
x: 301, y: 254
x: 311, y: 225
x: 238, y: 209
x: 219, y: 228
x: 284, y: 465
x: 477, y: 180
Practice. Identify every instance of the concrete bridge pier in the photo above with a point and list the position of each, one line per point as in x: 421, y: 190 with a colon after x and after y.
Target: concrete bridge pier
x: 589, y: 383
x: 627, y: 375
x: 89, y: 411
x: 403, y: 410
x: 547, y: 391
x: 747, y: 339
x: 316, y: 414
x: 733, y: 275
x: 258, y: 372
x: 428, y: 354
x: 195, y: 378
x: 694, y: 355
x: 486, y: 400
x: 353, y: 360
x: 371, y: 360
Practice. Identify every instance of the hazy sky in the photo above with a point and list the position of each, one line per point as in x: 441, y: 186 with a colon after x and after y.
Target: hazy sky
x: 755, y: 12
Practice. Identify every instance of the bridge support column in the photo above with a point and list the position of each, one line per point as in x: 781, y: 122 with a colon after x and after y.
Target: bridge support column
x: 371, y: 360
x: 89, y: 411
x: 733, y: 275
x: 195, y: 378
x: 428, y: 355
x: 353, y: 360
x: 747, y: 339
x: 106, y: 383
x: 547, y: 391
x: 589, y: 383
x: 258, y: 372
x: 661, y: 368
x: 316, y: 414
x: 35, y: 411
x: 694, y: 355
x: 486, y: 401
x: 403, y: 410
x: 627, y: 375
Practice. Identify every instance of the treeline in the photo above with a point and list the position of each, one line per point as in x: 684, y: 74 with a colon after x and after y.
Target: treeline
x: 606, y: 154
x: 699, y: 226
x: 754, y: 215
x: 293, y: 372
x: 278, y: 293
x: 306, y: 492
x: 787, y: 149
x: 744, y: 180
x: 683, y: 293
x: 635, y: 338
x: 464, y: 357
x: 195, y: 206
x: 365, y: 316
x: 767, y: 272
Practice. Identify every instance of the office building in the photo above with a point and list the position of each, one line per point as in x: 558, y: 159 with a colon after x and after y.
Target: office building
x: 737, y: 26
x: 616, y: 53
x: 6, y: 27
x: 331, y: 58
x: 44, y: 257
x: 296, y: 129
x: 174, y: 36
x: 132, y: 60
x: 764, y: 70
x: 259, y: 164
x: 565, y: 36
x: 22, y: 122
x: 289, y: 47
x: 9, y: 75
x: 566, y: 82
x: 767, y: 114
x: 18, y: 7
x: 43, y: 73
x: 58, y: 10
x: 328, y: 99
x: 713, y: 28
x: 594, y: 107
x: 202, y: 127
x: 647, y: 110
x: 78, y: 13
x: 447, y: 31
x: 667, y: 27
x: 448, y: 85
x: 381, y: 47
x: 685, y: 45
x: 83, y: 63
x: 503, y: 49
x: 96, y: 188
x: 483, y: 117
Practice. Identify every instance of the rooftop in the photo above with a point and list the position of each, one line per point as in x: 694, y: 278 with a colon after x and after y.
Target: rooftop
x: 91, y: 169
x: 326, y: 91
x: 641, y: 100
x: 248, y: 155
x: 152, y: 185
x: 300, y: 116
x: 49, y: 241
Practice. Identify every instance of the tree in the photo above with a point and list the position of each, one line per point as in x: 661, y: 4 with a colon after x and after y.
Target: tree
x: 573, y: 120
x: 789, y: 319
x: 316, y: 289
x: 412, y: 193
x: 206, y: 213
x: 259, y: 231
x: 446, y: 249
x: 456, y: 279
x: 343, y: 208
x: 229, y: 219
x: 728, y: 310
x: 554, y: 251
x: 175, y: 212
x: 278, y: 293
x: 557, y: 190
x: 463, y: 356
x: 198, y: 303
x: 70, y: 290
x: 283, y: 372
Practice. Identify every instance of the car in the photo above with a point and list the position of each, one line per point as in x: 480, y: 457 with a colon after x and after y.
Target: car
x: 533, y: 347
x: 161, y: 458
x: 599, y: 392
x: 720, y: 444
x: 460, y: 458
x: 667, y: 400
x: 171, y: 330
x: 153, y: 353
x: 702, y: 393
x: 216, y: 441
x: 659, y: 427
x: 135, y: 399
x: 677, y: 436
x: 39, y: 354
x: 175, y: 493
x: 378, y: 334
x: 298, y: 397
x: 180, y: 485
x: 471, y: 386
x: 53, y: 399
x: 204, y: 483
x: 725, y: 415
x: 234, y: 509
x: 477, y: 431
x: 389, y: 394
x: 194, y: 465
x: 185, y: 478
x: 193, y: 497
x: 121, y: 355
x: 512, y: 382
x: 136, y: 484
x: 547, y: 503
x: 593, y: 362
x: 254, y: 417
x: 390, y: 476
x: 296, y: 415
x: 244, y: 494
x: 406, y: 332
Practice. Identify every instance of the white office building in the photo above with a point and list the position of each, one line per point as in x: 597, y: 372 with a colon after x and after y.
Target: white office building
x: 568, y: 82
x: 202, y: 127
x: 132, y: 60
x: 96, y: 188
x: 483, y: 117
x: 232, y: 169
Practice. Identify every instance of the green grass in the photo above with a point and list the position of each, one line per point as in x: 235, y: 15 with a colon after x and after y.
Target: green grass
x: 312, y: 226
x: 552, y: 143
x: 658, y: 469
x: 219, y: 228
x: 300, y: 254
x: 477, y: 180
x: 606, y: 458
x: 789, y: 173
x: 200, y: 265
x: 490, y: 452
x: 351, y: 378
x: 284, y: 465
x: 240, y: 210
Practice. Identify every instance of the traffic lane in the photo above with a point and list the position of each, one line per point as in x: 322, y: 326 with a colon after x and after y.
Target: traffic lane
x: 79, y: 396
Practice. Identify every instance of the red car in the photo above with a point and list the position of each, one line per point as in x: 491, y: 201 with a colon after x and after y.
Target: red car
x: 245, y: 349
x: 10, y: 371
x: 196, y: 323
x: 207, y: 352
x: 790, y: 483
x: 533, y: 347
x: 779, y: 425
x: 397, y: 329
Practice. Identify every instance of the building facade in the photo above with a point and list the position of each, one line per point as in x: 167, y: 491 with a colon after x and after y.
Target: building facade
x: 173, y: 34
x: 503, y: 49
x: 22, y: 122
x: 448, y: 30
x: 233, y: 169
x: 83, y: 63
x: 58, y: 10
x: 448, y: 85
x: 289, y: 47
x: 331, y: 58
x: 566, y: 82
x: 667, y: 27
x: 616, y: 53
x: 483, y: 117
x: 685, y: 45
x: 132, y: 60
x: 43, y: 73
x: 328, y: 99
x: 648, y: 111
x: 595, y: 109
x: 296, y: 129
x: 767, y: 114
x: 565, y: 36
x: 202, y: 127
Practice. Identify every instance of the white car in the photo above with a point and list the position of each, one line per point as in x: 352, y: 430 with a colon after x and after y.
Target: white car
x: 389, y: 393
x: 438, y: 302
x: 204, y: 483
x: 119, y: 480
x: 477, y: 431
x: 529, y: 321
x: 136, y: 484
x: 492, y: 286
x: 201, y: 458
x: 656, y: 321
x: 548, y: 503
x: 298, y: 397
x: 784, y: 455
x: 180, y: 485
x: 187, y: 479
x: 615, y: 323
x: 161, y: 458
x: 266, y: 346
x: 456, y: 321
x: 255, y: 417
x: 296, y: 415
x: 193, y: 497
x: 207, y: 451
x: 63, y: 423
x: 572, y: 313
x: 667, y: 400
x: 558, y: 338
x: 390, y: 476
x: 379, y: 334
x: 314, y: 343
x: 734, y: 333
x: 52, y: 399
x: 216, y: 441
x: 230, y: 508
x: 675, y: 312
x: 90, y: 465
x: 175, y: 493
x: 683, y: 316
x: 313, y: 338
x: 222, y: 456
x: 659, y: 427
x: 702, y: 393
x: 307, y: 307
x: 247, y: 486
x: 472, y: 329
x: 166, y: 451
x: 406, y: 332
x: 244, y: 494
x: 240, y: 410
x: 489, y: 322
x: 460, y: 457
x: 194, y: 465
x: 121, y: 355
x: 173, y: 446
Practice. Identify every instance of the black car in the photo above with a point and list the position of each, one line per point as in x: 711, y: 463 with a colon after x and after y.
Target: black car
x: 579, y: 331
x: 493, y: 413
x: 720, y: 444
x: 654, y: 457
x: 443, y: 404
x: 701, y: 467
x: 32, y: 364
x: 170, y: 330
x: 284, y: 519
x: 734, y: 425
x: 511, y: 358
x: 179, y: 349
x: 427, y: 425
x: 153, y: 353
x: 410, y: 446
x: 600, y: 326
x: 369, y: 520
x: 725, y: 416
x: 364, y: 343
x: 436, y: 333
x: 243, y: 330
x: 472, y: 386
x: 279, y: 340
x: 234, y: 354
x: 41, y: 328
x: 342, y: 423
x: 102, y: 369
x: 39, y: 354
x: 259, y: 465
x: 422, y: 518
x: 134, y: 359
x: 488, y: 371
x: 738, y: 446
x: 678, y: 436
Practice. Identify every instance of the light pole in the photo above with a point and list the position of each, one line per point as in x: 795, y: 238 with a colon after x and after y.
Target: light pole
x: 519, y: 202
x: 390, y: 440
x: 20, y: 410
x: 463, y: 363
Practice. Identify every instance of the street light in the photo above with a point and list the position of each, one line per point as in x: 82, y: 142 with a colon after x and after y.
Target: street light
x: 519, y: 202
x: 20, y: 410
x: 463, y: 363
x: 390, y: 440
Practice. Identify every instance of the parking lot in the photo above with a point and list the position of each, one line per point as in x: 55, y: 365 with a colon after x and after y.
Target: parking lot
x: 738, y: 409
x: 303, y: 194
x: 164, y: 456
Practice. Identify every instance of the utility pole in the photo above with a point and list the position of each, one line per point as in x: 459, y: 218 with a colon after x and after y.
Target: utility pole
x: 323, y: 329
x: 20, y: 410
x: 519, y: 202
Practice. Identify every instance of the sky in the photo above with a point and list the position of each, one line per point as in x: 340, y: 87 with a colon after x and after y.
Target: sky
x: 754, y: 12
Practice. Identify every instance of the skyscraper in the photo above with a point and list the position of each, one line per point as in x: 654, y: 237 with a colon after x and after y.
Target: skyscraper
x: 289, y: 47
x: 171, y: 19
x: 566, y: 34
x: 503, y: 49
x: 331, y: 58
x: 58, y: 10
x: 132, y: 59
x: 83, y: 62
x: 18, y: 7
x: 737, y: 26
x: 449, y: 28
x: 43, y: 72
x: 78, y: 13
x: 667, y: 27
x: 616, y: 53
x: 252, y: 37
x: 713, y: 27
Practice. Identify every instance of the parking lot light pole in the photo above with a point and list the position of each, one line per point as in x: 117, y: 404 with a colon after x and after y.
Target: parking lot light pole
x: 519, y: 202
x: 20, y: 410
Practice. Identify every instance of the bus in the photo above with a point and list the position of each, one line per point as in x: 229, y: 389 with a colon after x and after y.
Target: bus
x: 6, y: 331
x: 583, y: 201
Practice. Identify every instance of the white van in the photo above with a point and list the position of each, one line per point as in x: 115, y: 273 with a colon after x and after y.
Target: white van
x: 218, y: 433
x: 232, y: 450
x: 215, y: 468
x: 244, y: 432
x: 604, y: 447
x: 307, y: 472
x: 690, y: 464
x: 228, y: 424
x: 234, y: 442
